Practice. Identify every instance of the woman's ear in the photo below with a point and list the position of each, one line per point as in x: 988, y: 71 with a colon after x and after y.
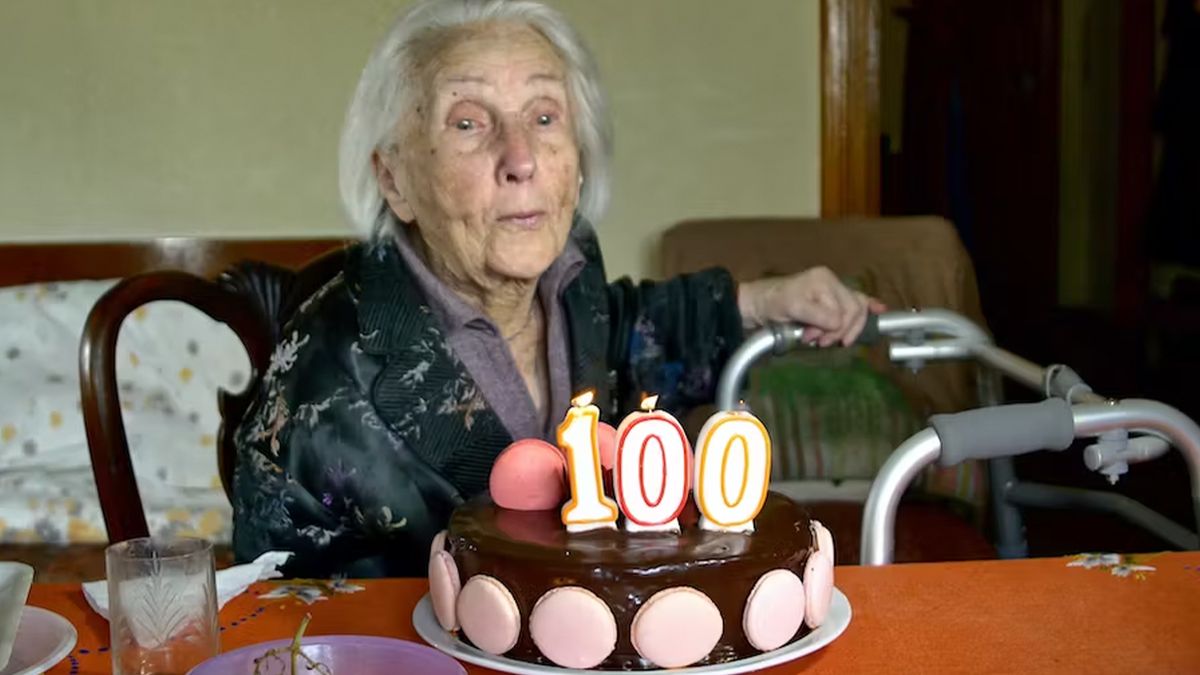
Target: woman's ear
x: 387, y: 173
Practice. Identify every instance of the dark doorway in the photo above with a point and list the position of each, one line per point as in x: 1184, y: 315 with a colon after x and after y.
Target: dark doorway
x: 1030, y: 124
x: 980, y: 144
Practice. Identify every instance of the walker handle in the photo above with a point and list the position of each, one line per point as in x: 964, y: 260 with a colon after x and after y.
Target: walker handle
x: 1003, y: 431
x: 870, y: 333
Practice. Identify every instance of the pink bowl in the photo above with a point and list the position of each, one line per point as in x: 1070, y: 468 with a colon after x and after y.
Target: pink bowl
x: 360, y: 655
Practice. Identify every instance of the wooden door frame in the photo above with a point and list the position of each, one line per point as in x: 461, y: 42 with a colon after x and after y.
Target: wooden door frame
x: 850, y: 118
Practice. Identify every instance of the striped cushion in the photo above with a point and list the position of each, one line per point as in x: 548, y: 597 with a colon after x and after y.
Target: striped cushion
x: 833, y: 417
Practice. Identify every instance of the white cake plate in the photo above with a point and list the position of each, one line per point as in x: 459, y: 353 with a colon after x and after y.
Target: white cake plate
x: 432, y: 632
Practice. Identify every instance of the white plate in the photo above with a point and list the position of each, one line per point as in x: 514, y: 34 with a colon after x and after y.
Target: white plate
x: 432, y: 632
x: 43, y: 640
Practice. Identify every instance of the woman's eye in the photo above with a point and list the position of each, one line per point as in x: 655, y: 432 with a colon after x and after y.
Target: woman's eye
x: 545, y: 120
x: 465, y: 124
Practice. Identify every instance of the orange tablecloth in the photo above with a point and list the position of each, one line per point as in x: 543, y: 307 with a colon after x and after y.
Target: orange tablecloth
x: 978, y: 617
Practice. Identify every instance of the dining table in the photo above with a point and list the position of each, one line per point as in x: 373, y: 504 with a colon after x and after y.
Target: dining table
x: 1091, y: 613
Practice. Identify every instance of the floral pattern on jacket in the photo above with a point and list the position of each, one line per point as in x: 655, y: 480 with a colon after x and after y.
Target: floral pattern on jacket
x: 367, y: 431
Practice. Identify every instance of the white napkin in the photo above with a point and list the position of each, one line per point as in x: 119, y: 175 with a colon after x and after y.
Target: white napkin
x: 231, y: 582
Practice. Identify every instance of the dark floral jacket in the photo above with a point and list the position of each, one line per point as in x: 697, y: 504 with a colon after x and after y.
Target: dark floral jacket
x: 368, y: 432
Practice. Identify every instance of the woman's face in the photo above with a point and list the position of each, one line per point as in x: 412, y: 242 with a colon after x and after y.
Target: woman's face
x: 487, y: 167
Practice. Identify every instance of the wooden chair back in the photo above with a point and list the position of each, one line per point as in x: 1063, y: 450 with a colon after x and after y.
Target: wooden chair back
x: 253, y: 286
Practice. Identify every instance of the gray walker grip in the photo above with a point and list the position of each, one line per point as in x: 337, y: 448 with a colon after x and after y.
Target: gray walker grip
x: 1004, y: 431
x: 870, y: 334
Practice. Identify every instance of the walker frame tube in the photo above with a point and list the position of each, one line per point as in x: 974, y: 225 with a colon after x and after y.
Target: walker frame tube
x: 1093, y: 415
x: 1090, y: 419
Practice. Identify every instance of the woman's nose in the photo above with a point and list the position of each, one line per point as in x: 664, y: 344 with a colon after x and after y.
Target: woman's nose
x: 517, y: 161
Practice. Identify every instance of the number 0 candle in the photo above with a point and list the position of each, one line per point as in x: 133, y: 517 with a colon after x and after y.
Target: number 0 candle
x: 588, y: 508
x: 653, y: 469
x: 733, y: 471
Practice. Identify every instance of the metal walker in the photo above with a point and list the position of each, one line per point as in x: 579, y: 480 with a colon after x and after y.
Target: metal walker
x: 1127, y: 431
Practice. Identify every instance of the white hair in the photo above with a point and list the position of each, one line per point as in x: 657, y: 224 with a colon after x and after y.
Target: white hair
x: 388, y: 85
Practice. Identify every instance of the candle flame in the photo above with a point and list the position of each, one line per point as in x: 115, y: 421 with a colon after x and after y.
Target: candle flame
x: 648, y: 403
x: 584, y: 399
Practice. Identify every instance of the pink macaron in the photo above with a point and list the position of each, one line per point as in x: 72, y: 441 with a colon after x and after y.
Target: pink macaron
x: 606, y: 440
x: 530, y: 475
x: 676, y: 627
x: 573, y: 627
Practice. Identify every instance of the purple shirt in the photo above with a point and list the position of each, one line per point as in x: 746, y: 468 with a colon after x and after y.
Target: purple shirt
x: 481, y: 348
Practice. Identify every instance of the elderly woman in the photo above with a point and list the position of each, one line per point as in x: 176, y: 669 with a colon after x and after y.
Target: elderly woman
x: 474, y: 156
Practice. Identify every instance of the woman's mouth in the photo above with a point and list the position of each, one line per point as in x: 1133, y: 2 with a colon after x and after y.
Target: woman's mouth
x: 523, y: 219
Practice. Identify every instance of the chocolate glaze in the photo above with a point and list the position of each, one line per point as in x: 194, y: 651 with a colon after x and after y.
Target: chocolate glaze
x: 531, y: 552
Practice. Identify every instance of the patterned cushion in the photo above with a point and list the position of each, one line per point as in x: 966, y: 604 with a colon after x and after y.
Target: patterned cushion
x: 172, y: 360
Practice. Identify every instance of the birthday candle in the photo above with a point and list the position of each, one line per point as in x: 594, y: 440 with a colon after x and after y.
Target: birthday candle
x: 653, y: 469
x: 733, y: 471
x: 588, y: 508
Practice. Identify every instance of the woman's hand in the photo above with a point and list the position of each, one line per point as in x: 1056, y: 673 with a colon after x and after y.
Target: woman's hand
x: 830, y: 312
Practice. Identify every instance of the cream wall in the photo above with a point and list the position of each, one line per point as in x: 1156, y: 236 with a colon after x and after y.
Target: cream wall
x: 136, y: 118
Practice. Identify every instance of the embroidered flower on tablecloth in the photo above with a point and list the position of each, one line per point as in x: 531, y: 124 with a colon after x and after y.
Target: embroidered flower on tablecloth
x: 1136, y: 570
x: 343, y: 586
x: 1119, y: 565
x: 309, y: 591
x: 306, y: 594
x: 1093, y: 560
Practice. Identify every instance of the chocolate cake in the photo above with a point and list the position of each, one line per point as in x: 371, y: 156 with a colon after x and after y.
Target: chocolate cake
x: 494, y: 566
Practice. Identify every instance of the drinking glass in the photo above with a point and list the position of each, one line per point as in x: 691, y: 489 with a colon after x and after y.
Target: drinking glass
x: 162, y: 596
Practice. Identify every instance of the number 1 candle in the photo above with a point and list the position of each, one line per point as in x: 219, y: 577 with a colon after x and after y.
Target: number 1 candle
x: 653, y: 469
x: 588, y: 508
